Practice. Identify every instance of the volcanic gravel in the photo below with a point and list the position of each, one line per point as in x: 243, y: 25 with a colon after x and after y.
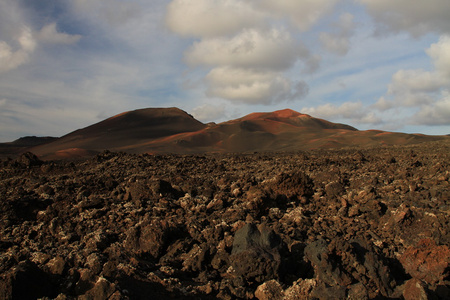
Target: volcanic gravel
x: 334, y: 224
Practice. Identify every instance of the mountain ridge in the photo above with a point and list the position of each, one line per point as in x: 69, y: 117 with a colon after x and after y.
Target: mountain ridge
x: 172, y: 130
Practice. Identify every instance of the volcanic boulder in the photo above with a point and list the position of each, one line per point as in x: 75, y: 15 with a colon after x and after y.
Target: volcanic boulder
x: 340, y: 264
x: 427, y: 262
x: 255, y: 255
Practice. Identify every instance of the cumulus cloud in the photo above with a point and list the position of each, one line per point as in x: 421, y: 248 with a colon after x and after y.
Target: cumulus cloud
x: 250, y: 86
x: 383, y: 104
x: 329, y: 110
x: 19, y: 38
x: 210, y: 18
x: 421, y: 81
x: 303, y: 13
x: 427, y: 91
x: 208, y: 112
x: 353, y: 111
x: 49, y: 34
x: 416, y: 81
x: 274, y: 50
x: 26, y: 42
x: 417, y: 87
x: 11, y: 58
x: 436, y: 114
x: 415, y: 16
x: 251, y: 42
x: 339, y: 41
x: 440, y: 54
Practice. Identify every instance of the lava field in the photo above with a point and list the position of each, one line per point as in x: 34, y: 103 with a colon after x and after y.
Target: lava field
x: 322, y: 224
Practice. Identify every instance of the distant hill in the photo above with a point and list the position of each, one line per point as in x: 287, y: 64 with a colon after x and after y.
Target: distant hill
x: 171, y: 130
x: 20, y: 145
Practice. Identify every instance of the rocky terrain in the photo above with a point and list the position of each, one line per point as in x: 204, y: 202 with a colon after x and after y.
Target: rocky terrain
x: 368, y: 223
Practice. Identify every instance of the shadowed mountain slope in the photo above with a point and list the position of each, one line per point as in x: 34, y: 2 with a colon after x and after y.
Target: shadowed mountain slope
x: 122, y: 130
x: 18, y: 146
x: 171, y: 130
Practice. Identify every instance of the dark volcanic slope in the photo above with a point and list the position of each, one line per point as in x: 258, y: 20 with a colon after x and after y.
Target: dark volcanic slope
x: 129, y: 128
x: 18, y: 146
x: 171, y: 130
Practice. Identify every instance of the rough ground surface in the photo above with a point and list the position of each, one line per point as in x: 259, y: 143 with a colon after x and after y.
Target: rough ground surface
x: 343, y: 224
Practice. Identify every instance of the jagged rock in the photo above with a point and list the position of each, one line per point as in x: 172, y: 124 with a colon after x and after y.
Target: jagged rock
x: 97, y: 240
x: 324, y: 292
x: 26, y: 281
x: 56, y: 265
x: 334, y: 189
x: 250, y: 236
x: 427, y: 261
x: 327, y: 265
x: 255, y: 255
x: 301, y: 289
x: 292, y: 185
x: 339, y: 264
x: 101, y: 290
x: 270, y: 290
x: 93, y: 262
x: 415, y: 290
x: 320, y: 224
x: 29, y: 159
x: 195, y: 258
x: 357, y: 291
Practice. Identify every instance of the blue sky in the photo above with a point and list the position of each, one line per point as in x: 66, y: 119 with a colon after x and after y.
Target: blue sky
x: 372, y: 64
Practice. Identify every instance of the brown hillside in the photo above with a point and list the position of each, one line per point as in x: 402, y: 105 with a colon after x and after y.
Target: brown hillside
x: 129, y: 128
x: 171, y: 130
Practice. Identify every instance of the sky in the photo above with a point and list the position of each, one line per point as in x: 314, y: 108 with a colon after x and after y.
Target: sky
x: 372, y: 64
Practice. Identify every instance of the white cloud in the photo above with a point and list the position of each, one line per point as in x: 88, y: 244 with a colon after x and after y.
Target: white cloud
x: 440, y: 54
x: 369, y: 118
x: 251, y: 38
x: 210, y: 18
x: 415, y: 16
x: 49, y: 34
x: 249, y: 86
x: 274, y: 50
x: 122, y: 67
x: 346, y: 110
x: 383, y: 104
x: 12, y: 58
x: 339, y: 41
x: 248, y: 67
x: 311, y: 62
x: 302, y: 13
x: 434, y: 114
x: 208, y: 112
x: 415, y: 81
x: 428, y: 91
x: 353, y: 111
x: 418, y: 87
x: 19, y: 40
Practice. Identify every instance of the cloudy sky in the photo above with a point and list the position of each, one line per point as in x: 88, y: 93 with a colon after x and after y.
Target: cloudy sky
x: 373, y: 64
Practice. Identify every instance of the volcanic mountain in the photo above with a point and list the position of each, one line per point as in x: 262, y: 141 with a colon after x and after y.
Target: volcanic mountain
x: 171, y: 130
x: 122, y: 131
